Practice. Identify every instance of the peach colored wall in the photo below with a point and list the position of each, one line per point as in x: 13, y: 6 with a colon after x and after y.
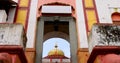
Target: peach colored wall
x: 68, y: 2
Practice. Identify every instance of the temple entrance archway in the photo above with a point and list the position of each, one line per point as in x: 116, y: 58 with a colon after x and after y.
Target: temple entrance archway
x: 56, y: 26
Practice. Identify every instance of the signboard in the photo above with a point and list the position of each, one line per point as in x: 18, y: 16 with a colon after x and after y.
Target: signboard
x: 57, y: 9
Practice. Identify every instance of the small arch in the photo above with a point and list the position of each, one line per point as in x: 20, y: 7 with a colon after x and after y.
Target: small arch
x: 115, y: 17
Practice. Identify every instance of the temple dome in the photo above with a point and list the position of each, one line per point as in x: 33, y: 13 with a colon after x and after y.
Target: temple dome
x: 55, y: 52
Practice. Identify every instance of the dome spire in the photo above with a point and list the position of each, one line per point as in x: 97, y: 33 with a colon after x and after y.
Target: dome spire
x: 56, y: 46
x: 56, y: 51
x: 116, y: 9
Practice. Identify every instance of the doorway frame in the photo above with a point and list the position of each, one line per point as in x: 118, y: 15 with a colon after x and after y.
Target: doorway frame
x: 72, y: 36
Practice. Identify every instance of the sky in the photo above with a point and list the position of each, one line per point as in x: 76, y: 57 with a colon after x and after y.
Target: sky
x: 62, y: 45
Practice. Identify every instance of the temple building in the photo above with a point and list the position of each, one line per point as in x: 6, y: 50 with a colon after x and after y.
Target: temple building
x: 89, y: 26
x: 56, y: 56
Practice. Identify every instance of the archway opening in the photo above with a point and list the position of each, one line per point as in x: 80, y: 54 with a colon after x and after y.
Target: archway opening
x: 49, y: 44
x: 56, y: 27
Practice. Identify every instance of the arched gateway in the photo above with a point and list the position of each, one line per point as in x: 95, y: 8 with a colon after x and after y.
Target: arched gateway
x: 62, y: 27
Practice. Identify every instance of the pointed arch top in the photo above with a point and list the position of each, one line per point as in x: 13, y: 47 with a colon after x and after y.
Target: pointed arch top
x: 58, y: 4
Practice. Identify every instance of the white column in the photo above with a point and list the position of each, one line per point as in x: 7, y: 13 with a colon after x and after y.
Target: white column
x: 11, y: 14
x: 81, y: 25
x: 3, y: 16
x: 32, y: 24
x: 105, y: 9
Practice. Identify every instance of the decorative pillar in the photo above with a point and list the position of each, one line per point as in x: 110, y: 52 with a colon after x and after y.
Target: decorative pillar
x: 61, y: 60
x: 50, y: 60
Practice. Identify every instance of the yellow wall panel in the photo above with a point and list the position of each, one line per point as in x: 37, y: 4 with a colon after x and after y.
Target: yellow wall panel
x: 89, y: 3
x: 91, y: 17
x: 24, y: 3
x: 21, y: 16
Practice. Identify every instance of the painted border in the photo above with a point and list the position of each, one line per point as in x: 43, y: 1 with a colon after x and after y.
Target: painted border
x: 23, y: 8
x: 84, y: 10
x: 28, y: 11
x: 89, y: 8
x: 96, y: 11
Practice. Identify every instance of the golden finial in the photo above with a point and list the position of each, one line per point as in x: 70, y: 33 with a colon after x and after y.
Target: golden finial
x: 116, y: 9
